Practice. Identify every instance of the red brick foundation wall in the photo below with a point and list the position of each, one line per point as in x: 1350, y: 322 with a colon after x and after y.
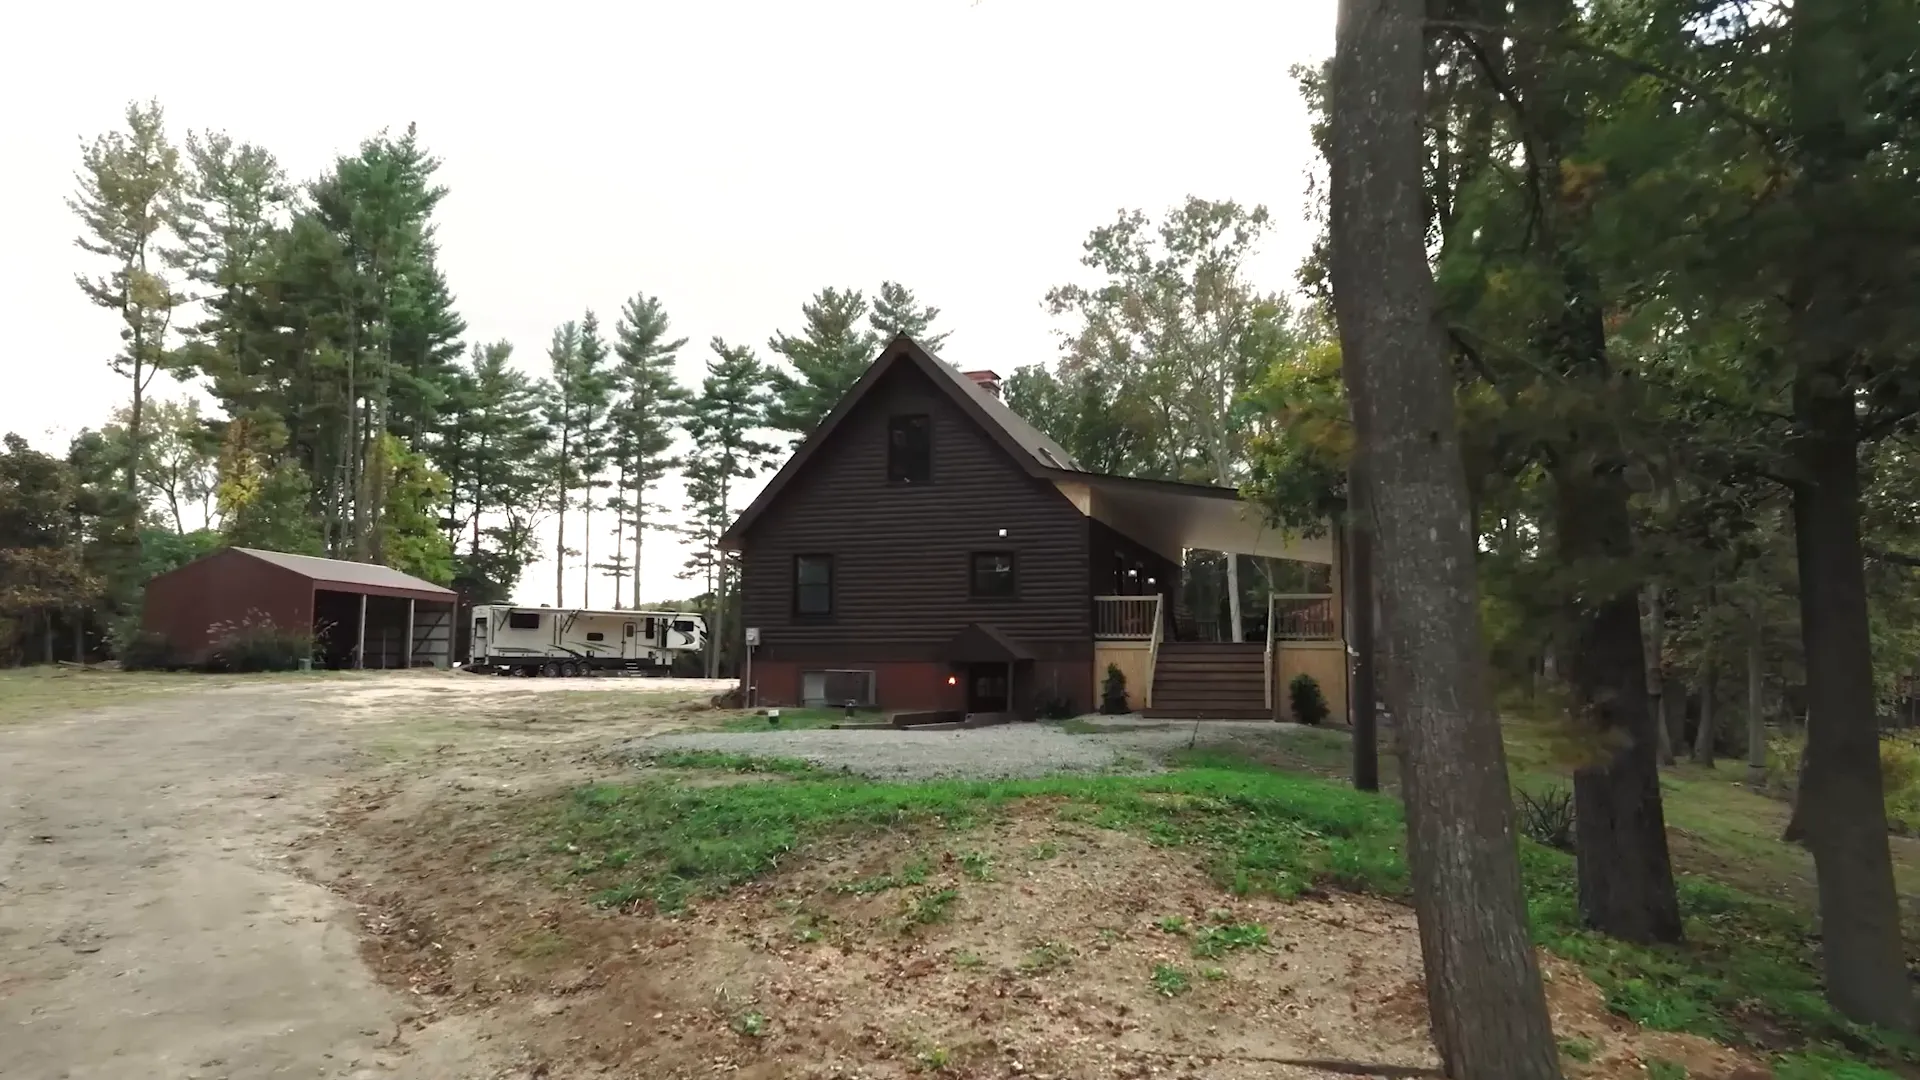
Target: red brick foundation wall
x: 915, y: 684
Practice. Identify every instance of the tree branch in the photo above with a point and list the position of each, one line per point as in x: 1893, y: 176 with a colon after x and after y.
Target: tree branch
x: 1679, y: 82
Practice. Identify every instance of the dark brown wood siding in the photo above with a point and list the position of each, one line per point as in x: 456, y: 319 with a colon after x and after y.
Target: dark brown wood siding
x: 901, y: 552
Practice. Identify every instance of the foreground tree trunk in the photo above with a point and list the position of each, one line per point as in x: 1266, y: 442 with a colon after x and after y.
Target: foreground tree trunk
x: 1653, y: 643
x: 1359, y: 634
x: 1626, y: 885
x: 1841, y: 813
x: 1709, y: 708
x: 1483, y: 981
x: 1756, y: 713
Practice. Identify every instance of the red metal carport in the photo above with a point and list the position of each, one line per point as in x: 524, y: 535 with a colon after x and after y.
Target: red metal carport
x: 361, y: 615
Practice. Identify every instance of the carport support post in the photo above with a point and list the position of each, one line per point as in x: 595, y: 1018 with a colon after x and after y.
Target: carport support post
x: 360, y: 650
x: 406, y: 650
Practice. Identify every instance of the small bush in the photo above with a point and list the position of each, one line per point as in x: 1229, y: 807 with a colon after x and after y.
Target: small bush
x: 256, y: 644
x: 1899, y: 775
x: 1056, y: 708
x: 1113, y: 692
x: 1309, y: 704
x: 146, y: 651
x: 1546, y: 817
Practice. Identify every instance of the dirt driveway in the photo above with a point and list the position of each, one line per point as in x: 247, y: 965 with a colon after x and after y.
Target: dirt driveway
x: 153, y: 922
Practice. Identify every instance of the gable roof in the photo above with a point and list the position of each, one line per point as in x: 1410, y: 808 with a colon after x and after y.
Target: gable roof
x: 354, y: 576
x: 1028, y: 445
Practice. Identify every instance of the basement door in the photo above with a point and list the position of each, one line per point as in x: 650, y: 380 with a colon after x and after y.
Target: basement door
x: 988, y: 687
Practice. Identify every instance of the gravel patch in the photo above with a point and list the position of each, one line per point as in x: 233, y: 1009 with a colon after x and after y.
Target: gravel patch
x: 1010, y: 750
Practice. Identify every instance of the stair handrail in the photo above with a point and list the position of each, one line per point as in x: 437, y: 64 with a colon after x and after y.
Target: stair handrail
x: 1266, y: 681
x: 1153, y: 652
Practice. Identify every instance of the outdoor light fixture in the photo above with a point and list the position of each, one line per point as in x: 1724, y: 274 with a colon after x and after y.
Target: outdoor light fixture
x: 1003, y: 532
x: 1133, y: 573
x: 953, y: 680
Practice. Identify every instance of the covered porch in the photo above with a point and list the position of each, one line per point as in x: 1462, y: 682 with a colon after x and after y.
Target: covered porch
x: 1148, y: 537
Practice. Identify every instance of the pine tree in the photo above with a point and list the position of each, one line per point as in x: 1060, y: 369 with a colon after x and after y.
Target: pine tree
x: 503, y: 472
x: 723, y: 421
x: 827, y: 358
x: 594, y: 440
x: 130, y: 185
x: 895, y: 311
x: 650, y: 404
x: 562, y: 410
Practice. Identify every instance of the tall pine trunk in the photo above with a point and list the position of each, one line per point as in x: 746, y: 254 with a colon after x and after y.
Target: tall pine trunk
x: 1756, y: 714
x: 1653, y: 644
x: 1483, y: 981
x: 586, y: 549
x: 1709, y: 705
x: 1842, y: 810
x: 1626, y: 885
x: 1359, y: 634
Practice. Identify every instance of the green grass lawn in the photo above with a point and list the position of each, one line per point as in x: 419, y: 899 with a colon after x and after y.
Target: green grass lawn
x: 1747, y: 973
x: 796, y: 720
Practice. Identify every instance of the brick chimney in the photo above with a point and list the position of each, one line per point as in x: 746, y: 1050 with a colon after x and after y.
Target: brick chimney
x: 985, y: 380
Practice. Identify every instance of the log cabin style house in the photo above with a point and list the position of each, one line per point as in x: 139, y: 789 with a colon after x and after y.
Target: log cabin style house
x: 925, y: 548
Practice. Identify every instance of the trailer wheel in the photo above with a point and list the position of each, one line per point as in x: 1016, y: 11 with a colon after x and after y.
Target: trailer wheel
x: 550, y: 669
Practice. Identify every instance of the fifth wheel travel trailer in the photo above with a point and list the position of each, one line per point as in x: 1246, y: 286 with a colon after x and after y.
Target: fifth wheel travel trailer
x: 510, y: 640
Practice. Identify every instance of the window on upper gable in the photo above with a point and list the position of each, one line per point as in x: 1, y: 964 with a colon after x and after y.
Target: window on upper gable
x: 910, y: 449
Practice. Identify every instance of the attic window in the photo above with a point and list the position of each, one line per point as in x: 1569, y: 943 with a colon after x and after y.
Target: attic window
x: 910, y: 449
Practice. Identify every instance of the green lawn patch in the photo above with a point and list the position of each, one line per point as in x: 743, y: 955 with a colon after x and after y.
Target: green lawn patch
x: 1749, y: 964
x: 794, y: 720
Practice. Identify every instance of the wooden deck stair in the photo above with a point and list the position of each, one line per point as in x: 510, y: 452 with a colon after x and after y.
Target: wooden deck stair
x: 1210, y: 680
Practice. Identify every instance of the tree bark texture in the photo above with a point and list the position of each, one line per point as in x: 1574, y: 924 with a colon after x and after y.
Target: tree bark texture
x: 1709, y: 707
x: 1652, y: 644
x: 1626, y: 885
x: 1361, y: 695
x: 1756, y: 711
x: 1841, y: 810
x: 1483, y: 980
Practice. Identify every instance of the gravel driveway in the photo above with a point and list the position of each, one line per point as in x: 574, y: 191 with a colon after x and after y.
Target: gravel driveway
x: 1009, y: 750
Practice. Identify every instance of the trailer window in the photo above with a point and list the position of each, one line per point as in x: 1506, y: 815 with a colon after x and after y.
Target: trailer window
x: 595, y: 635
x: 629, y: 629
x: 685, y: 626
x: 650, y: 629
x: 523, y: 620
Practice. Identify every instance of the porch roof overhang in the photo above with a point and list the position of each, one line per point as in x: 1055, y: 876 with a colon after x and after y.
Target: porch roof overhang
x: 1170, y: 517
x: 979, y: 643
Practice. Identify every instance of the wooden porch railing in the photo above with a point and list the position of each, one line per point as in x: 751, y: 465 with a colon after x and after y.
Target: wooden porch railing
x: 1126, y: 618
x: 1301, y: 617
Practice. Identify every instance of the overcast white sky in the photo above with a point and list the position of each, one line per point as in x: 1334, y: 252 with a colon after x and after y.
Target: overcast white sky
x: 730, y: 157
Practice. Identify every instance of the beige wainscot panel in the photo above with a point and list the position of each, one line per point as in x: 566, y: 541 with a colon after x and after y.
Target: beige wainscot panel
x: 1135, y: 661
x: 1326, y: 661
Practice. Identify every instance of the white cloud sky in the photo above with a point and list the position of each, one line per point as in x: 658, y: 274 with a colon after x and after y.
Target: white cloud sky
x: 729, y: 157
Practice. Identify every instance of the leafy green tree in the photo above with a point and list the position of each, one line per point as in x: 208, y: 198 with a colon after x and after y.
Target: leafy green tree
x: 828, y: 356
x: 41, y: 571
x: 413, y: 541
x: 649, y: 406
x: 896, y: 311
x: 130, y: 184
x: 723, y: 421
x: 272, y: 513
x: 1175, y: 321
x: 177, y: 462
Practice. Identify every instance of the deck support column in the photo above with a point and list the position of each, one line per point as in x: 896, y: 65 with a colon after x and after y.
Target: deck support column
x: 360, y: 649
x: 406, y: 647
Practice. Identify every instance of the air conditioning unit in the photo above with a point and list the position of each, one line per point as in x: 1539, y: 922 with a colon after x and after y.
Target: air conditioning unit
x: 837, y: 687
